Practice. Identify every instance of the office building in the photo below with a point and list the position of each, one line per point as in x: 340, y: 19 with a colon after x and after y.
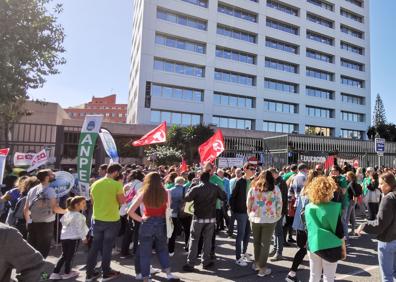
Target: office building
x: 283, y: 66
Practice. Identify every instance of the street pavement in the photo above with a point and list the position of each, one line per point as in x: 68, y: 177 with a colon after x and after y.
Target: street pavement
x: 361, y: 264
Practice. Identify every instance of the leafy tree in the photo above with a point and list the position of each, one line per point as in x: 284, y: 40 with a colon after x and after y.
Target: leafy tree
x: 163, y: 155
x: 379, y: 116
x: 30, y: 49
x: 386, y: 131
x: 188, y: 139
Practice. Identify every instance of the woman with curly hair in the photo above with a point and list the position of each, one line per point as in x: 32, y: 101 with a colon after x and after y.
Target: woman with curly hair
x: 299, y: 226
x: 325, y: 230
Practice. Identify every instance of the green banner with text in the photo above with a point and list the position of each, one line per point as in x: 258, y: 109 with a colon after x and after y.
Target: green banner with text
x: 89, y: 135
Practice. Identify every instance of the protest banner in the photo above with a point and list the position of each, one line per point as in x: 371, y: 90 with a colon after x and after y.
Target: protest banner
x: 23, y: 159
x: 109, y: 145
x: 3, y: 157
x: 230, y: 162
x: 64, y: 182
x: 89, y: 134
x: 39, y: 159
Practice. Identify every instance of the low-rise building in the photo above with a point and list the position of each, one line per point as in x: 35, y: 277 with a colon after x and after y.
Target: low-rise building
x: 105, y: 106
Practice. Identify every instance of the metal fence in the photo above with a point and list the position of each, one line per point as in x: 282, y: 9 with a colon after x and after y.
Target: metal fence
x: 62, y: 142
x: 291, y: 147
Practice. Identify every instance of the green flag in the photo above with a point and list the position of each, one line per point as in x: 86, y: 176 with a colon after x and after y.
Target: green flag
x: 86, y: 146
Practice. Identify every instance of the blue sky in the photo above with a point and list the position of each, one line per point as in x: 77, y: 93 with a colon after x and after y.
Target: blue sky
x: 98, y: 40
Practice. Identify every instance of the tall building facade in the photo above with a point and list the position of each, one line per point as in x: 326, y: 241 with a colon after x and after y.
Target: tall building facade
x: 284, y: 66
x: 106, y: 106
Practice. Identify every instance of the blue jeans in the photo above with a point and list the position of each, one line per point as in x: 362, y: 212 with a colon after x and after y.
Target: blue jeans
x: 278, y: 236
x: 351, y: 217
x: 153, y: 230
x: 344, y: 221
x: 387, y: 260
x: 243, y: 233
x: 104, y: 235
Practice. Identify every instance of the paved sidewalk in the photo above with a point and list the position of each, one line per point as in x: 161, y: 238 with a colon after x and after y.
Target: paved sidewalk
x: 361, y: 264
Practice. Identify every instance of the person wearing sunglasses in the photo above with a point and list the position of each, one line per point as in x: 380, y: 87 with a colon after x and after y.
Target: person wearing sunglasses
x: 239, y: 209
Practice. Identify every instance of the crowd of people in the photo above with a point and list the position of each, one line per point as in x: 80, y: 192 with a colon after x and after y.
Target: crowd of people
x: 149, y: 209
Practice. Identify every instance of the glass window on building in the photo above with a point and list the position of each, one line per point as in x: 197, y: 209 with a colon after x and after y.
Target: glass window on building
x: 353, y: 134
x: 229, y: 122
x: 318, y: 130
x: 280, y: 127
x: 175, y: 117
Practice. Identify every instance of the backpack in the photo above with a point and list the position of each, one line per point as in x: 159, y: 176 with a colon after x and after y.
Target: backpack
x: 15, y: 214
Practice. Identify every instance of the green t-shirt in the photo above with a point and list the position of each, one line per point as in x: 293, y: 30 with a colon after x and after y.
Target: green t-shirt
x: 288, y: 175
x: 366, y: 182
x: 214, y: 179
x: 322, y: 222
x: 169, y: 185
x: 104, y: 194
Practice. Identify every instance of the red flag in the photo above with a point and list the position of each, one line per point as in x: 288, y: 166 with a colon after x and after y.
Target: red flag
x: 329, y: 162
x: 4, y: 152
x: 183, y: 166
x: 212, y: 148
x: 157, y: 135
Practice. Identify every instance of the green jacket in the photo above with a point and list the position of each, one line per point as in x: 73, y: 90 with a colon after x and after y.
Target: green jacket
x: 321, y: 221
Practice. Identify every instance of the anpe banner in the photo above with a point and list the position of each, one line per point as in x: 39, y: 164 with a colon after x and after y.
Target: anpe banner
x: 86, y: 146
x: 109, y: 145
x: 23, y: 159
x: 3, y: 157
x: 39, y: 159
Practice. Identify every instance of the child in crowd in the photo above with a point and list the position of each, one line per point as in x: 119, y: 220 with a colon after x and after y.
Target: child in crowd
x: 74, y: 229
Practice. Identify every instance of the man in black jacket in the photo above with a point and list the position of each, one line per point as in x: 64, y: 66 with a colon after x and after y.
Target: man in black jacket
x: 278, y: 234
x: 204, y: 196
x: 239, y: 209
